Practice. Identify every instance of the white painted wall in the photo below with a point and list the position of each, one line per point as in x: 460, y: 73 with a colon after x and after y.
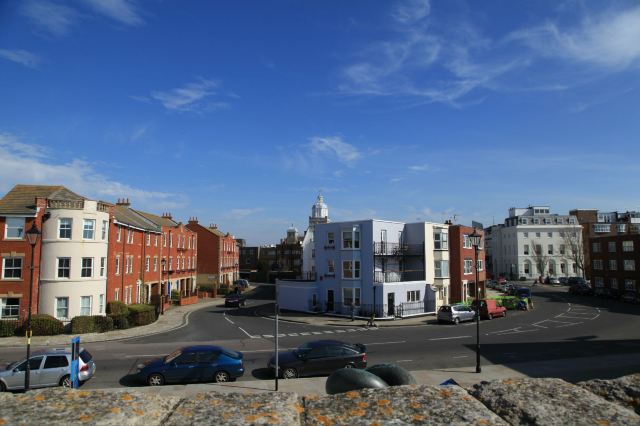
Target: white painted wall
x: 75, y: 248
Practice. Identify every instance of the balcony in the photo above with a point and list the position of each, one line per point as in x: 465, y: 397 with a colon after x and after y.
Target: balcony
x: 397, y: 249
x: 397, y: 276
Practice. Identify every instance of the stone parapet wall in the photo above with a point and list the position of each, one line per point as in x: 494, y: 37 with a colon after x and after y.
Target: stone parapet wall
x: 500, y: 402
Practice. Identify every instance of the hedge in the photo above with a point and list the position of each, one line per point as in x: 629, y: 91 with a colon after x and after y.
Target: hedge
x: 120, y: 322
x: 141, y: 314
x: 44, y: 325
x: 117, y: 307
x: 175, y: 295
x: 8, y: 328
x: 91, y: 324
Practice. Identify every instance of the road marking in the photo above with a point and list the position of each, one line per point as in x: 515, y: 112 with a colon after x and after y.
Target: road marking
x: 537, y: 324
x: 340, y: 331
x: 242, y: 329
x: 316, y: 332
x: 451, y: 338
x: 229, y: 320
x: 569, y: 324
x: 461, y: 356
x: 570, y: 317
x: 268, y: 335
x: 386, y: 343
x: 305, y: 333
x: 404, y: 360
x: 293, y: 334
x: 141, y: 356
x: 353, y: 329
x: 328, y: 331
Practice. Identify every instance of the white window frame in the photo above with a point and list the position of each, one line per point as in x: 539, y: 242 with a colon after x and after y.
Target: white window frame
x: 466, y: 241
x: 88, y: 230
x: 441, y: 240
x: 526, y: 249
x: 9, y: 311
x: 105, y: 226
x: 84, y: 309
x: 351, y: 269
x: 355, y: 300
x: 613, y: 264
x: 103, y: 266
x: 155, y: 263
x: 12, y: 268
x: 119, y: 233
x: 66, y: 308
x: 441, y: 268
x: 630, y: 284
x: 14, y: 223
x: 627, y: 246
x: 84, y: 268
x: 629, y: 265
x: 101, y: 304
x: 413, y: 296
x: 331, y: 266
x: 148, y: 239
x: 117, y: 265
x: 65, y: 220
x: 597, y: 264
x: 468, y: 266
x: 147, y: 264
x: 61, y: 268
x: 550, y: 249
x: 612, y: 244
x: 352, y: 235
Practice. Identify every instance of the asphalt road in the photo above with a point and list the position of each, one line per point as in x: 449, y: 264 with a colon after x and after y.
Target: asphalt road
x: 561, y: 326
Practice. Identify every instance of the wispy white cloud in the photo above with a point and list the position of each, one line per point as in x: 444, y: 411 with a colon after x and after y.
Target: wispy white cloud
x: 334, y: 146
x: 610, y: 40
x: 21, y: 162
x: 54, y: 18
x: 124, y: 11
x: 420, y: 168
x: 21, y: 57
x: 197, y: 96
x: 425, y: 61
x: 411, y: 10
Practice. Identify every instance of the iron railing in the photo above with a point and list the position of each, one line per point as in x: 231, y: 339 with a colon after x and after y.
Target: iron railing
x: 397, y: 249
x: 398, y: 276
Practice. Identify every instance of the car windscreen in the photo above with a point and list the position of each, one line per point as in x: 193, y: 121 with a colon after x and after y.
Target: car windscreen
x: 232, y: 354
x: 173, y: 355
x: 85, y: 356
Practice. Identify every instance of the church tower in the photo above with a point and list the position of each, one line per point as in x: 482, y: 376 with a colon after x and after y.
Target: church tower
x: 319, y: 212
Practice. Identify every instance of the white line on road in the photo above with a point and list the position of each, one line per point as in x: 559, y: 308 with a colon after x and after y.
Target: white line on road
x: 267, y: 335
x: 386, y: 343
x: 404, y: 360
x: 450, y: 338
x: 570, y: 317
x: 340, y: 331
x: 316, y: 332
x: 328, y: 331
x: 461, y: 356
x: 242, y: 329
x: 229, y: 320
x: 305, y: 333
x: 293, y: 334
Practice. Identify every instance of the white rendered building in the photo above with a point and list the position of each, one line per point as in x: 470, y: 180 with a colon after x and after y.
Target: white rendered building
x: 73, y: 265
x: 319, y: 214
x: 533, y: 242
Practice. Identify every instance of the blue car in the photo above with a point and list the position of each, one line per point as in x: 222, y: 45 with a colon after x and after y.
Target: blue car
x: 203, y: 363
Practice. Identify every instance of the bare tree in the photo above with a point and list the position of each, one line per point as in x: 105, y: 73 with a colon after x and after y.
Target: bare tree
x: 574, y: 250
x: 540, y: 259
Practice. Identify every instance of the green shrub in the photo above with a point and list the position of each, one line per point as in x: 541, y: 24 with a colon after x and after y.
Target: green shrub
x: 141, y: 314
x: 83, y: 324
x: 103, y: 323
x: 8, y: 328
x: 44, y: 325
x: 117, y: 307
x: 175, y: 295
x: 120, y: 322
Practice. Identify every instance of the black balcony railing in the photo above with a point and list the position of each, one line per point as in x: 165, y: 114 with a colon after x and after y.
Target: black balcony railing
x: 397, y: 249
x: 397, y: 276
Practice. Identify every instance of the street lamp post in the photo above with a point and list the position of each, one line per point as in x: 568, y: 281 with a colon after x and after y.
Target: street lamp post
x: 164, y: 264
x: 475, y: 238
x: 32, y: 235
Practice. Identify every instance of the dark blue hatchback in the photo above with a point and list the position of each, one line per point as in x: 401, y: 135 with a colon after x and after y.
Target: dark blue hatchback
x: 192, y: 364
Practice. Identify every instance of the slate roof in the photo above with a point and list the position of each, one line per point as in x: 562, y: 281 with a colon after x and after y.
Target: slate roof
x: 158, y: 220
x: 129, y: 216
x: 21, y: 199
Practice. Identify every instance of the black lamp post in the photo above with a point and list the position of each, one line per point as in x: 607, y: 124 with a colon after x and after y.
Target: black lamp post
x: 164, y: 264
x: 32, y: 235
x: 475, y: 239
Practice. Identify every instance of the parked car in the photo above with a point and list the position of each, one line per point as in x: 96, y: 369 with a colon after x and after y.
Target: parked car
x: 510, y: 289
x: 554, y: 281
x: 630, y: 297
x: 577, y: 280
x: 455, y: 313
x: 242, y: 284
x: 489, y: 309
x: 492, y: 283
x: 563, y: 280
x: 523, y: 292
x: 583, y: 289
x: 320, y: 357
x: 203, y: 363
x: 234, y: 299
x: 49, y: 367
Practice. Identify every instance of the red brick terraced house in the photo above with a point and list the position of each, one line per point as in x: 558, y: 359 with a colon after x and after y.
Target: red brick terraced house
x: 219, y: 263
x: 135, y: 253
x: 179, y: 250
x: 20, y: 208
x: 462, y: 258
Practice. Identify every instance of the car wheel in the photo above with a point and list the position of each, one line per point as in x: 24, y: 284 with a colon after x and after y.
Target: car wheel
x: 456, y: 320
x: 221, y: 377
x: 65, y: 382
x: 3, y: 387
x: 155, y: 380
x: 289, y: 373
x: 349, y: 366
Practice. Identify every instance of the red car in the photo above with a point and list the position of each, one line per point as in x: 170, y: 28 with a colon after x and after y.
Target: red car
x: 489, y: 309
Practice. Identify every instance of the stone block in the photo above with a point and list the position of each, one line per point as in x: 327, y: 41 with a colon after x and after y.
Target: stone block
x: 399, y: 405
x: 623, y: 390
x: 215, y: 408
x: 59, y: 406
x: 528, y: 401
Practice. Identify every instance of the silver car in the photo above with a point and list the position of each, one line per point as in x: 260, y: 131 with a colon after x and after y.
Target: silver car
x: 50, y: 367
x: 455, y: 313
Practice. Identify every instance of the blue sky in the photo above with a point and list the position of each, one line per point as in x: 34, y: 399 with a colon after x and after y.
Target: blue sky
x: 239, y: 113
